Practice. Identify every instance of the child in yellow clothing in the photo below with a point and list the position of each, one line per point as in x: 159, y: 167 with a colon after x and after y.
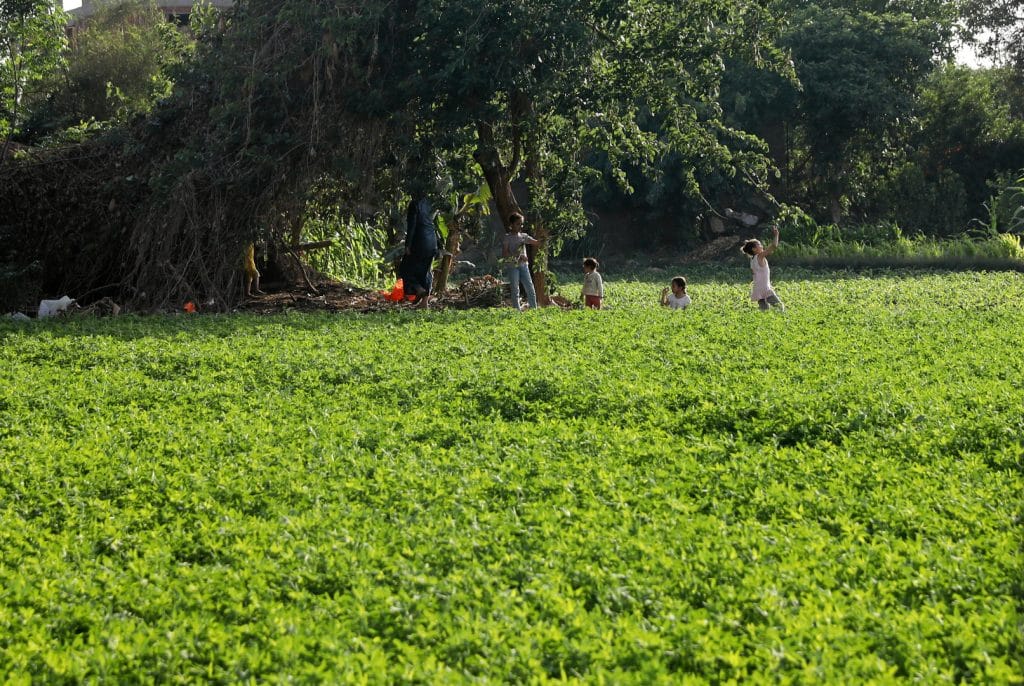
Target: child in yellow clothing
x: 251, y: 273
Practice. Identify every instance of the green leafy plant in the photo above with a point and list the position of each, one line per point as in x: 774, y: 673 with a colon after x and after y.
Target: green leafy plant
x: 1004, y: 209
x: 32, y: 41
x: 1009, y: 205
x: 357, y: 253
x: 631, y: 496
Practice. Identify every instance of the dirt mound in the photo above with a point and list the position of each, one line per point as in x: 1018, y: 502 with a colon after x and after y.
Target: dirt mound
x: 335, y: 296
x: 719, y: 250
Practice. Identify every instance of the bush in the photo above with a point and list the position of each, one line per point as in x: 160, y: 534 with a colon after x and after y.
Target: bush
x: 934, y: 207
x: 796, y: 225
x: 1006, y: 207
x: 20, y: 286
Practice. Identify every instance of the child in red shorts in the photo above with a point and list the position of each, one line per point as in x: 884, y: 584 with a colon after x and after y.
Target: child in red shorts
x: 593, y: 285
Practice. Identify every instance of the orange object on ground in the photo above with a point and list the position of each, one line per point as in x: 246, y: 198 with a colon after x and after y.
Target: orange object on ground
x: 190, y: 306
x: 397, y: 292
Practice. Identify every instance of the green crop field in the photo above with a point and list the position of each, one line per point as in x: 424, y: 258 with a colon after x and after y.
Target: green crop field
x: 830, y: 494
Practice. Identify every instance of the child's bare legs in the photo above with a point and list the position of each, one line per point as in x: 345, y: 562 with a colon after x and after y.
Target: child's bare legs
x: 424, y: 298
x: 250, y: 280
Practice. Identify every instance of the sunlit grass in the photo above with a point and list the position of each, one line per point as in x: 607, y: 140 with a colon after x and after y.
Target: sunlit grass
x: 829, y: 494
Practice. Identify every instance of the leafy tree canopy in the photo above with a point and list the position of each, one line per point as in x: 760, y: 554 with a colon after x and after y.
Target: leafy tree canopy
x: 1000, y: 24
x: 31, y: 45
x: 120, y: 62
x: 538, y: 86
x: 859, y: 67
x: 859, y: 73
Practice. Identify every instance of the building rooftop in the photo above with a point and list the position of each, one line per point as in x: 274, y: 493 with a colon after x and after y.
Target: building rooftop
x: 169, y: 7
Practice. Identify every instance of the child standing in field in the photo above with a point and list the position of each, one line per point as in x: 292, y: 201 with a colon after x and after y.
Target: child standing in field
x: 762, y: 292
x: 593, y: 284
x: 675, y: 296
x: 517, y: 264
x: 252, y: 275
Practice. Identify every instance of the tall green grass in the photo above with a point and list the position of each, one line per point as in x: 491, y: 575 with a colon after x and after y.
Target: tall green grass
x: 992, y: 245
x: 998, y: 247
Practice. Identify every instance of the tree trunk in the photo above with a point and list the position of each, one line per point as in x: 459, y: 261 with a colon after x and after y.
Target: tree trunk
x: 295, y: 228
x: 451, y: 250
x: 496, y: 174
x: 836, y: 208
x: 499, y: 180
x: 836, y: 174
x: 535, y: 173
x: 15, y: 62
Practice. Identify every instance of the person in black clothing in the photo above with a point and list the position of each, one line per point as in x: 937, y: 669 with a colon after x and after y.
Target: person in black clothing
x: 420, y: 250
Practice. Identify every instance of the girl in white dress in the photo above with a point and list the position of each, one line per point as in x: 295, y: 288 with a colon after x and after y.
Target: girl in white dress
x: 762, y: 292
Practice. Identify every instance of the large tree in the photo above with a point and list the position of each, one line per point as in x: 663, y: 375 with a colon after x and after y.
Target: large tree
x: 859, y: 73
x: 965, y: 143
x: 541, y: 84
x: 859, y: 67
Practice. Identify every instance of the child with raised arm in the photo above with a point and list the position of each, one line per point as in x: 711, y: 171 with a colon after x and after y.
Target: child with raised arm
x: 674, y: 296
x: 762, y: 292
x: 515, y: 261
x: 593, y: 285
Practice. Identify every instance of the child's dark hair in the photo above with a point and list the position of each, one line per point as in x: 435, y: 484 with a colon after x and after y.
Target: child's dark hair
x: 513, y: 217
x: 748, y: 246
x: 591, y: 262
x: 680, y: 281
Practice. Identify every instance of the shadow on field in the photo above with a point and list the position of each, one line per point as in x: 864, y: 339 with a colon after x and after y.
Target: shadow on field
x: 790, y: 270
x: 203, y: 327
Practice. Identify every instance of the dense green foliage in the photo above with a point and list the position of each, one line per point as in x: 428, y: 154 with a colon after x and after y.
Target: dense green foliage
x: 828, y: 495
x: 360, y: 98
x: 119, y: 64
x: 662, y: 121
x: 31, y: 45
x: 965, y: 146
x: 875, y: 128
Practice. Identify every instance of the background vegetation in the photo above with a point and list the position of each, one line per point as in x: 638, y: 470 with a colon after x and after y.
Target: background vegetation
x: 649, y: 125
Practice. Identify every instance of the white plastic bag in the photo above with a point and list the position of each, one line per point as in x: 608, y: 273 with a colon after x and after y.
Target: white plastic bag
x: 48, y: 308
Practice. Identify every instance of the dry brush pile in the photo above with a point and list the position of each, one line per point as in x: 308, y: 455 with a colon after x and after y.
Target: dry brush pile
x: 159, y: 211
